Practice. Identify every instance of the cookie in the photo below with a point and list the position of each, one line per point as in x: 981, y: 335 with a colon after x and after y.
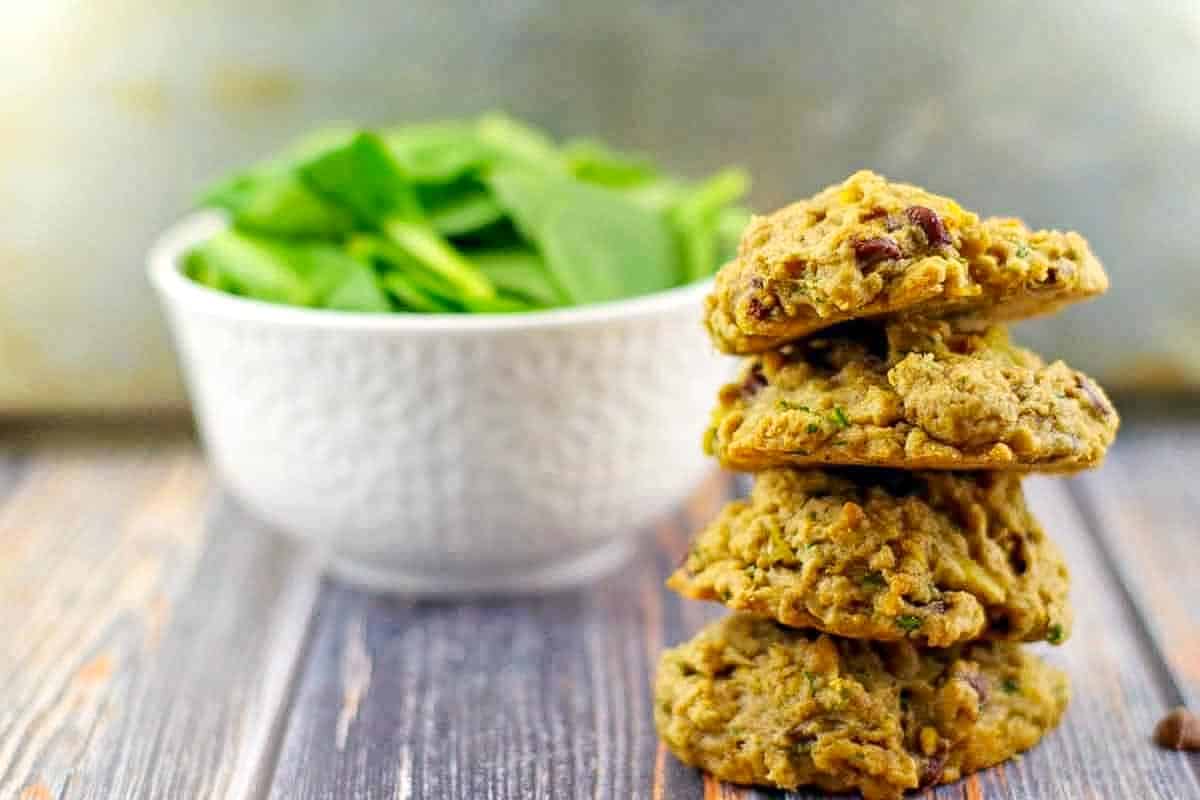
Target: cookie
x: 935, y: 557
x: 869, y: 247
x: 911, y: 393
x: 753, y: 702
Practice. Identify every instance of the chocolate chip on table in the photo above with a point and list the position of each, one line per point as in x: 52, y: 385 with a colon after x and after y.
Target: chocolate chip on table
x: 1179, y: 730
x: 878, y: 248
x: 930, y: 223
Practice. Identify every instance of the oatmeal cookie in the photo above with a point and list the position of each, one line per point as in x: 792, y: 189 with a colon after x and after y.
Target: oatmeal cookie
x: 911, y: 393
x: 935, y: 557
x: 753, y: 702
x: 869, y: 247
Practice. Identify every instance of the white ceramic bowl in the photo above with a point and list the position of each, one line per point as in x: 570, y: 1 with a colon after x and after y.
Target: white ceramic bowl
x: 448, y: 453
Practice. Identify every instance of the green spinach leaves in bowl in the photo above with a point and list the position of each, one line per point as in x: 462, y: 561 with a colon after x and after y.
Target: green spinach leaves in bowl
x: 478, y: 216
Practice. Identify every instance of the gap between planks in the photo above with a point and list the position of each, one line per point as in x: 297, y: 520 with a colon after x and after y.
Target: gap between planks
x: 1170, y: 683
x: 1141, y: 511
x: 291, y: 643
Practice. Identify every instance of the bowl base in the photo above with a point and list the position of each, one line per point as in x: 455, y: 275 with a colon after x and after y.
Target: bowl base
x: 580, y: 569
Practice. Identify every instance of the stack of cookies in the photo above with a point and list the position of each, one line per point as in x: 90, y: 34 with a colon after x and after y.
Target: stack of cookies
x: 885, y: 568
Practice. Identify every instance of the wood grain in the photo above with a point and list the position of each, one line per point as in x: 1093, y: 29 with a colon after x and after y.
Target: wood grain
x: 529, y: 697
x: 142, y: 644
x: 547, y: 696
x: 159, y: 643
x: 1103, y: 748
x: 1146, y: 508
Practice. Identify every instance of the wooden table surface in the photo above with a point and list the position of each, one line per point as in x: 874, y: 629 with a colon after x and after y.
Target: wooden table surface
x: 158, y: 643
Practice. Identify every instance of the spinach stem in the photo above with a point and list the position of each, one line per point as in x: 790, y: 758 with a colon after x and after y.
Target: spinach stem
x: 422, y: 243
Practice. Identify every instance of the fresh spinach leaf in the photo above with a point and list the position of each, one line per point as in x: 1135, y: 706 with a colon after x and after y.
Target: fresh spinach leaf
x: 439, y: 152
x: 412, y: 296
x: 256, y: 267
x: 593, y: 162
x: 502, y: 304
x: 520, y: 272
x: 388, y: 257
x: 306, y: 148
x: 460, y: 208
x: 731, y: 222
x: 426, y: 246
x: 488, y: 215
x: 279, y: 204
x: 303, y: 274
x: 361, y: 176
x: 597, y: 245
x: 696, y: 218
x: 657, y: 195
x: 341, y: 282
x: 516, y: 143
x: 198, y: 267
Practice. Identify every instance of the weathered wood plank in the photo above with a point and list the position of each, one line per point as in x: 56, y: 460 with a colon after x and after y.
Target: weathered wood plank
x: 531, y: 697
x: 1145, y: 504
x: 547, y: 697
x: 147, y: 653
x: 1103, y: 748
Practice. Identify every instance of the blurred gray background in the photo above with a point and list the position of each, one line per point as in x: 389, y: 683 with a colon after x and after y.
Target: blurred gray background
x: 1076, y: 115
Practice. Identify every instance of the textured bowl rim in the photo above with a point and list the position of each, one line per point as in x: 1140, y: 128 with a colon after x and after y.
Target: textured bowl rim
x: 165, y: 270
